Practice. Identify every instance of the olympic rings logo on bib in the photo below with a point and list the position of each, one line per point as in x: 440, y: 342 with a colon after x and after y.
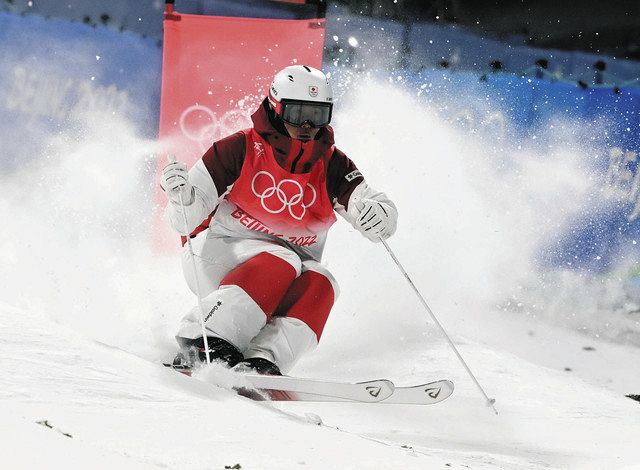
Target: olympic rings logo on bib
x: 286, y: 194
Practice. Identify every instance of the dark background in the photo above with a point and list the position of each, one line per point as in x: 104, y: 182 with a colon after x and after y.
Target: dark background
x: 602, y: 27
x: 609, y: 28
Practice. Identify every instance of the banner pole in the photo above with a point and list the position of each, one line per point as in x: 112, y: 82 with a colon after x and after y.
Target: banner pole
x: 322, y: 9
x: 169, y: 10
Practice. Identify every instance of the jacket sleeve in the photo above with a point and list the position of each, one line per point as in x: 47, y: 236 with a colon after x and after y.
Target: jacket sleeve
x: 347, y: 187
x: 211, y: 176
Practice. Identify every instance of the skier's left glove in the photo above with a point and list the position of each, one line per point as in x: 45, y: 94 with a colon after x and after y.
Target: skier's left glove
x: 175, y: 183
x: 377, y: 220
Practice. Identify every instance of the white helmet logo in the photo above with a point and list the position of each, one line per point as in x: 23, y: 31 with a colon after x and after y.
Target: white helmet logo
x: 313, y: 91
x: 287, y: 194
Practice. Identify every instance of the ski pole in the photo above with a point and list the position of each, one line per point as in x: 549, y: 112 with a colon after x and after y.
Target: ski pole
x: 490, y: 401
x: 172, y: 159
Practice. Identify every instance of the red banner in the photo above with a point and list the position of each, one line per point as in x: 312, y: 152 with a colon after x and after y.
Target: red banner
x: 217, y: 70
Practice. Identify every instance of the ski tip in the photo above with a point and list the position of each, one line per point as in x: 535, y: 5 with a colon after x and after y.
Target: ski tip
x: 182, y: 369
x: 386, y: 382
x: 443, y: 383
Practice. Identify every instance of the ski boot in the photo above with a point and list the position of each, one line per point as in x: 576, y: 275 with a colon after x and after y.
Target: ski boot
x: 257, y: 365
x: 192, y: 353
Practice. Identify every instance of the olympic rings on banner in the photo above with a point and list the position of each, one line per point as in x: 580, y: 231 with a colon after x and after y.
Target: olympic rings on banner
x: 207, y: 127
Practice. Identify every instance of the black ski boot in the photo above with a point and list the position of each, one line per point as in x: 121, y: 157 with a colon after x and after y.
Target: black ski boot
x: 193, y: 352
x: 257, y: 365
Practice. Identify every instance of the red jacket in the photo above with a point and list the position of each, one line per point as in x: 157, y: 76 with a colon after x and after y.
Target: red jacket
x: 225, y: 157
x: 260, y: 183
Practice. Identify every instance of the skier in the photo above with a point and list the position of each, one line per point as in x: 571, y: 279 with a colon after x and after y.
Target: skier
x: 258, y: 206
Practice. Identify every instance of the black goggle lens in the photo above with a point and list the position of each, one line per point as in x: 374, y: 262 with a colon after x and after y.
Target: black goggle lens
x: 315, y: 114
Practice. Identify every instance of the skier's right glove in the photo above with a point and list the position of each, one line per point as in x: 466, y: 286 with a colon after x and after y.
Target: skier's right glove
x: 175, y: 183
x: 375, y: 220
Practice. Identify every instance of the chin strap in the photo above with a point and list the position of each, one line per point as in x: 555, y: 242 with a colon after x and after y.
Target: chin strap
x: 275, y: 120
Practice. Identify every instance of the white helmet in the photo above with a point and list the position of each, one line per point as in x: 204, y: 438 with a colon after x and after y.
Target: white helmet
x: 300, y: 94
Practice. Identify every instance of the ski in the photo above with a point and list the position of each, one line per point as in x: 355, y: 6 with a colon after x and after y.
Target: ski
x: 285, y: 388
x: 424, y: 394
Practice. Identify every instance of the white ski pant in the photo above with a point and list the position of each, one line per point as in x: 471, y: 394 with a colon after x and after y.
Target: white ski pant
x: 243, y: 282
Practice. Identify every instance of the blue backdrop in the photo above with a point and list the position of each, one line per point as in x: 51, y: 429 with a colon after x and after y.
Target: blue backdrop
x: 605, y: 122
x: 51, y: 71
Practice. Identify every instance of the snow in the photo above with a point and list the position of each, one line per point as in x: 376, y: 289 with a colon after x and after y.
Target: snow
x: 124, y: 411
x: 88, y: 307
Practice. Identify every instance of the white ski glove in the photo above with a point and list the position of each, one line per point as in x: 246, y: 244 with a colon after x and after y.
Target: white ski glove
x: 375, y: 220
x: 175, y: 182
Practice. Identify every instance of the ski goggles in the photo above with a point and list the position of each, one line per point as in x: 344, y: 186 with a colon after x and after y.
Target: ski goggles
x: 298, y: 113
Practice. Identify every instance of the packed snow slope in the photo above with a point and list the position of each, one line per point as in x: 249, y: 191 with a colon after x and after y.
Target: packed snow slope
x: 88, y: 308
x: 107, y: 408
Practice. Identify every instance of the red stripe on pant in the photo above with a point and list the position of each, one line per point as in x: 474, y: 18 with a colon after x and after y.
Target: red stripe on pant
x: 309, y: 299
x: 265, y: 277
